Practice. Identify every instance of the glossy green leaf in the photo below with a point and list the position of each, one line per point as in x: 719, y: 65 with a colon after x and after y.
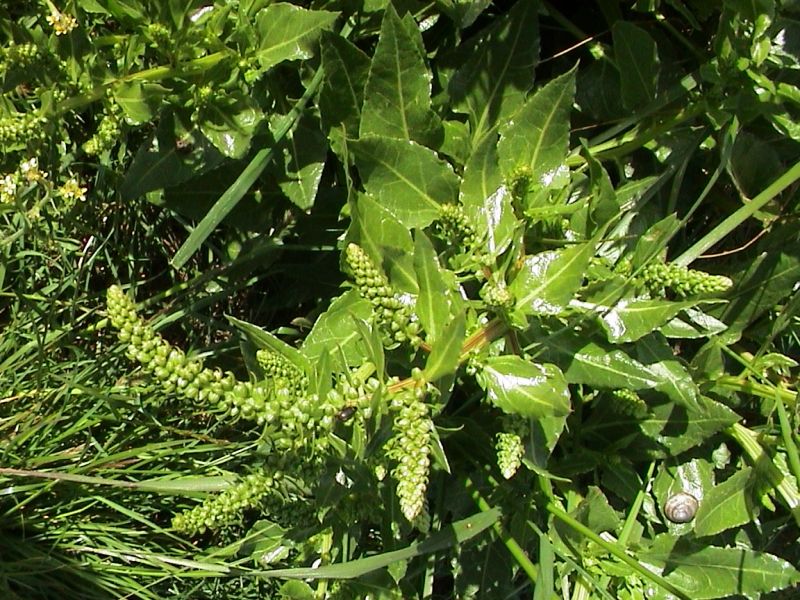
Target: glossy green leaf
x: 525, y: 388
x: 674, y: 379
x: 537, y: 136
x: 629, y: 320
x: 342, y: 94
x: 694, y: 476
x: 704, y: 571
x: 385, y: 240
x: 692, y: 323
x: 397, y: 97
x: 230, y: 124
x: 432, y: 305
x: 547, y: 281
x: 139, y: 100
x: 585, y: 361
x: 443, y: 359
x: 491, y: 84
x: 668, y: 429
x: 407, y: 179
x: 677, y: 429
x: 304, y: 151
x: 288, y: 32
x: 637, y: 60
x: 727, y: 505
x: 542, y: 439
x: 334, y: 332
x: 486, y: 200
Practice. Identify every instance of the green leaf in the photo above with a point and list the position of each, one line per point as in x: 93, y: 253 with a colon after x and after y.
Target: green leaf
x: 674, y: 379
x: 297, y: 590
x: 342, y: 94
x: 371, y: 338
x: 491, y: 84
x: 385, y: 240
x: 264, y: 339
x: 629, y: 320
x: 408, y: 180
x: 545, y: 585
x: 231, y: 197
x: 446, y: 350
x: 537, y: 137
x: 160, y: 163
x: 288, y: 32
x: 677, y: 429
x: 547, y: 281
x: 397, y: 97
x: 542, y: 440
x: 334, y: 333
x: 525, y: 388
x: 230, y: 123
x: 704, y: 571
x: 637, y: 60
x: 726, y: 505
x: 305, y: 149
x: 138, y: 100
x: 693, y: 323
x: 694, y: 476
x: 486, y: 200
x: 769, y: 279
x: 451, y: 535
x: 585, y: 361
x: 432, y: 305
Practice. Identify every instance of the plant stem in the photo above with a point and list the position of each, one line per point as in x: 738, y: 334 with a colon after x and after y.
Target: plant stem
x: 748, y: 440
x: 761, y: 390
x: 788, y: 441
x: 510, y: 543
x: 635, y: 508
x: 615, y: 550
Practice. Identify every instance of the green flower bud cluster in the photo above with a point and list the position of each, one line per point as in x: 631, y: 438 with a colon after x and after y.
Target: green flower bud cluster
x: 628, y: 402
x: 455, y: 226
x: 496, y: 295
x: 186, y: 376
x: 282, y: 372
x: 519, y: 184
x: 510, y: 446
x: 353, y: 393
x: 18, y: 129
x: 226, y: 508
x: 411, y: 447
x: 160, y: 35
x: 658, y: 277
x: 20, y: 56
x: 107, y: 134
x: 392, y: 311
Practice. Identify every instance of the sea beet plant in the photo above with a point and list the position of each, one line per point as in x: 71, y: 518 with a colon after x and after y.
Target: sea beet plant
x: 399, y: 299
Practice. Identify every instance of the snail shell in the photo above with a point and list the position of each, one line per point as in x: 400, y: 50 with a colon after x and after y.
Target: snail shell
x: 681, y: 507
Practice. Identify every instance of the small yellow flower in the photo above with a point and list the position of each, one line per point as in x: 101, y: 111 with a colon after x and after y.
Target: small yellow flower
x: 29, y: 169
x: 72, y: 190
x: 60, y: 22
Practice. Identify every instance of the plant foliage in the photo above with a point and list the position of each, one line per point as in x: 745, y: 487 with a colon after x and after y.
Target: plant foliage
x: 435, y: 299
